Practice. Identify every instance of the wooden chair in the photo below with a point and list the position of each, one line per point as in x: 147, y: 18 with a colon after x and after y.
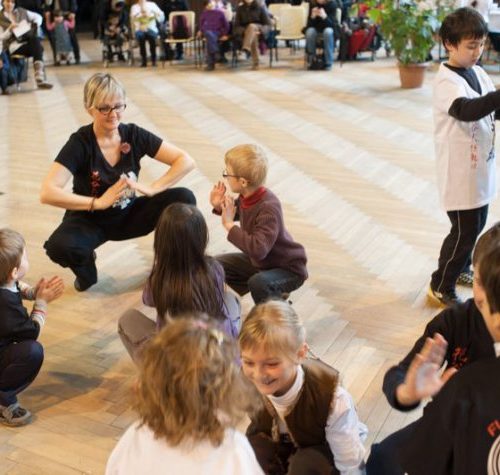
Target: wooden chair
x: 191, y: 40
x: 292, y: 23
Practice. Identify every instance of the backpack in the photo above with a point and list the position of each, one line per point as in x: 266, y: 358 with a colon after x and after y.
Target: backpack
x: 180, y: 28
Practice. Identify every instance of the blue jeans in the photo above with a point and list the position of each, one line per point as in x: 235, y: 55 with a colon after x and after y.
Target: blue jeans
x: 149, y: 36
x: 263, y: 285
x: 19, y: 364
x: 328, y: 43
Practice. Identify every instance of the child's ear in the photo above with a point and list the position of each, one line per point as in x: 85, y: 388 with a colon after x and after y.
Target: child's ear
x: 244, y: 182
x: 14, y: 274
x: 302, y: 353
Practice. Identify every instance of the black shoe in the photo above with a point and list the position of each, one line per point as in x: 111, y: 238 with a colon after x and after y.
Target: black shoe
x: 209, y: 67
x: 121, y: 57
x: 77, y: 60
x: 447, y: 299
x: 143, y: 64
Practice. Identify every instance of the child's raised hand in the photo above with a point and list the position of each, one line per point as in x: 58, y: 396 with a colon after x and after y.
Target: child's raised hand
x: 423, y: 378
x: 49, y: 290
x: 228, y: 212
x: 217, y: 196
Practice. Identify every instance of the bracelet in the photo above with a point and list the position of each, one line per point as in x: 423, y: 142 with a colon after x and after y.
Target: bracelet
x: 91, y: 208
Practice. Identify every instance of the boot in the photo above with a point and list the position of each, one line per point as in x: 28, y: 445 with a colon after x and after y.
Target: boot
x: 40, y: 76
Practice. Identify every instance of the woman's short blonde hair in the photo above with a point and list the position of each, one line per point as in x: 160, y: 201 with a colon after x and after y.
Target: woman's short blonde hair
x: 12, y: 246
x: 99, y: 87
x: 190, y: 385
x: 275, y: 327
x: 248, y: 161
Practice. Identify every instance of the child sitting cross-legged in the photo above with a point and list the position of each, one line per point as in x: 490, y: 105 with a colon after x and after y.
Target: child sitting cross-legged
x: 190, y: 396
x: 270, y: 263
x: 21, y: 356
x: 308, y: 423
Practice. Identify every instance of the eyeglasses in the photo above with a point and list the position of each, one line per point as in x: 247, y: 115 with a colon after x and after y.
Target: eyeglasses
x: 106, y: 110
x: 225, y: 174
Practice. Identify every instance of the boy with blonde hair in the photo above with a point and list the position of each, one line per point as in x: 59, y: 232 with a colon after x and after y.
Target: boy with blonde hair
x: 270, y: 263
x: 21, y: 356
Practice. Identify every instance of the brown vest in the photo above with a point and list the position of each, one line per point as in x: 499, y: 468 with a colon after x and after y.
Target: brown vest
x: 306, y: 421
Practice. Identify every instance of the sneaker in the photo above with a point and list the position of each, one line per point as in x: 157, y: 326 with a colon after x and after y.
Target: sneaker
x: 466, y: 278
x: 14, y: 415
x: 44, y: 85
x: 447, y: 299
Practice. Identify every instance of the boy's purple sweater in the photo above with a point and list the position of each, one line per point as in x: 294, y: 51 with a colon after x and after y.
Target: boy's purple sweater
x: 214, y: 20
x: 263, y: 238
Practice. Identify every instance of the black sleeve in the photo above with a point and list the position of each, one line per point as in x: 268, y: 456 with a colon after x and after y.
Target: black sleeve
x: 73, y: 155
x: 16, y: 325
x: 469, y: 110
x: 430, y: 449
x: 146, y: 142
x: 396, y: 375
x: 330, y: 9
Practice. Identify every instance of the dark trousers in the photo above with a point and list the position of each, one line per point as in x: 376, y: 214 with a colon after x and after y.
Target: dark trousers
x: 243, y: 277
x: 72, y: 244
x: 456, y: 250
x: 284, y: 459
x: 150, y: 37
x: 31, y: 49
x: 384, y: 456
x: 19, y: 364
x: 4, y: 78
x: 74, y: 44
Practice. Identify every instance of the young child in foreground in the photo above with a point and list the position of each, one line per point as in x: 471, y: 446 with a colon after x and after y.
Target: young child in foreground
x: 190, y: 397
x: 270, y: 263
x: 458, y: 336
x: 465, y: 108
x: 308, y: 423
x: 21, y: 356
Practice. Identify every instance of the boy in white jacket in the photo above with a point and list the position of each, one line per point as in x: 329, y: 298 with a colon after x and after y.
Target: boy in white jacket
x: 465, y: 105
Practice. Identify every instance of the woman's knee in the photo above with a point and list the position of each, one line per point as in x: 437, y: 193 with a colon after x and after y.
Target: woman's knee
x: 183, y: 195
x: 30, y: 351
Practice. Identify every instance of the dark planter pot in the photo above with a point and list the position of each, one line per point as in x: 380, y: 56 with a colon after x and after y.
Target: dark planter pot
x: 412, y: 75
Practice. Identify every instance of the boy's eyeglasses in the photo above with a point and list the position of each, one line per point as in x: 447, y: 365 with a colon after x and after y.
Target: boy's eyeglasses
x: 225, y: 174
x: 106, y: 110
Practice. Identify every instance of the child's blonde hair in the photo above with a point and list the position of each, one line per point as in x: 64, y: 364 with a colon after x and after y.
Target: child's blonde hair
x: 190, y: 385
x: 99, y: 87
x: 248, y: 161
x: 273, y: 326
x: 12, y: 246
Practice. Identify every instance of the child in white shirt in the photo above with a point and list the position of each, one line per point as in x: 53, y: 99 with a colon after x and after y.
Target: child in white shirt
x: 190, y: 396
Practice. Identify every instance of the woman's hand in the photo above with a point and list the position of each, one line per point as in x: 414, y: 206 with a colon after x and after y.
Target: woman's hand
x: 49, y: 290
x: 228, y: 212
x: 146, y: 190
x: 217, y: 196
x: 112, y: 195
x: 423, y: 378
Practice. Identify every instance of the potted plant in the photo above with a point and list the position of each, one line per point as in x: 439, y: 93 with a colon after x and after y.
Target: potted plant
x: 410, y: 27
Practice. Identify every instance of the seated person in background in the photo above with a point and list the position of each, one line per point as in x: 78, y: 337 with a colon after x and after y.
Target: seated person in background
x: 114, y: 27
x: 190, y: 397
x: 459, y: 432
x: 21, y: 356
x: 69, y: 8
x: 251, y: 21
x: 28, y: 44
x: 307, y: 423
x: 322, y: 20
x: 270, y: 263
x: 459, y: 335
x: 62, y: 41
x: 146, y: 16
x: 167, y: 7
x: 214, y: 27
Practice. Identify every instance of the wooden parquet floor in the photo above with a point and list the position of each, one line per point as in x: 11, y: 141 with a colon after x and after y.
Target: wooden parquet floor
x: 351, y: 157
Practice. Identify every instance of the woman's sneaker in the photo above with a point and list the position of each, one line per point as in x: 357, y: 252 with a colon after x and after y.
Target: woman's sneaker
x: 466, y: 278
x: 447, y: 299
x: 14, y: 415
